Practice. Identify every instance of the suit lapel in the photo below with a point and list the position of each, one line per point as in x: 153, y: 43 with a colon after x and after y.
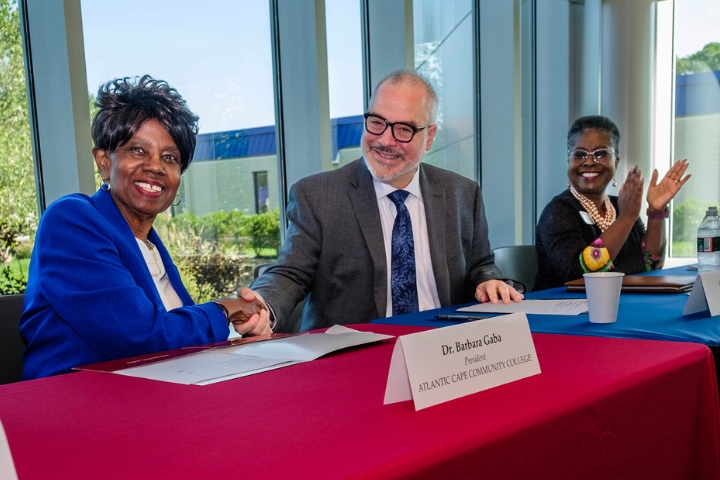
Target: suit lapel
x: 364, y: 202
x: 127, y: 245
x: 436, y: 219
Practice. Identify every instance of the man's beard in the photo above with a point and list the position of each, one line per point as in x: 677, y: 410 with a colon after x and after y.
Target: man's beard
x: 377, y: 168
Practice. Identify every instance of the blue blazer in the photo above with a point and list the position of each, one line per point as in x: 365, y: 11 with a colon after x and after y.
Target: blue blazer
x: 90, y: 296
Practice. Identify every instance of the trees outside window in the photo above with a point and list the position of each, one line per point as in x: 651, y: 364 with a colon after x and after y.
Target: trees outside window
x: 18, y: 205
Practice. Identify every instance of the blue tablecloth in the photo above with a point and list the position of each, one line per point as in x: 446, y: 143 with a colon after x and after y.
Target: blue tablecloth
x: 654, y: 316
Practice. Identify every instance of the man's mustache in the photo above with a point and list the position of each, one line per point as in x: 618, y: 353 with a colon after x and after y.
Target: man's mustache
x: 388, y: 150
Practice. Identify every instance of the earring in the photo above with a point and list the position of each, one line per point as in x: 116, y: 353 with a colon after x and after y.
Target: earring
x: 177, y: 201
x: 614, y: 182
x: 105, y: 186
x: 568, y: 184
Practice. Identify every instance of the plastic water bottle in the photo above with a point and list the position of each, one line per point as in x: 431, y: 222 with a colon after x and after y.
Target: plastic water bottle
x: 708, y: 242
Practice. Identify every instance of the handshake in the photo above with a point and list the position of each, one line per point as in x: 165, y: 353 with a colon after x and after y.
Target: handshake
x: 248, y: 313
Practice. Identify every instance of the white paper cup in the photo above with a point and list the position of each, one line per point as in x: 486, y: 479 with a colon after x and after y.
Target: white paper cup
x: 603, y: 294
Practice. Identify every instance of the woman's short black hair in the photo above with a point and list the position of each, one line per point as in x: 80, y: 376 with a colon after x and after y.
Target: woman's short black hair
x: 594, y: 122
x: 124, y: 105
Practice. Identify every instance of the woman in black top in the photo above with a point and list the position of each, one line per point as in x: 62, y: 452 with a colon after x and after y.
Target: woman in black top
x: 584, y: 230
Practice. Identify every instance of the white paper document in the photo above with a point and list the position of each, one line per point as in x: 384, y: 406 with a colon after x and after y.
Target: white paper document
x: 7, y: 467
x: 536, y: 307
x: 309, y: 347
x: 204, y: 368
x: 225, y: 363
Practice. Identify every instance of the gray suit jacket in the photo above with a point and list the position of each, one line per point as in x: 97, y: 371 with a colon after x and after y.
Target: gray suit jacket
x: 334, y: 252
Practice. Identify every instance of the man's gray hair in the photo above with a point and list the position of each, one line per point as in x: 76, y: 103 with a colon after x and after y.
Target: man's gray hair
x: 408, y: 77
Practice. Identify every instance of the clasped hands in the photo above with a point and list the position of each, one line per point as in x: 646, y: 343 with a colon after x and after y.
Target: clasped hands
x: 658, y: 195
x: 248, y: 313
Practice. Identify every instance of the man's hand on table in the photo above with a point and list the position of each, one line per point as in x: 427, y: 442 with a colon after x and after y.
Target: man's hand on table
x: 495, y: 290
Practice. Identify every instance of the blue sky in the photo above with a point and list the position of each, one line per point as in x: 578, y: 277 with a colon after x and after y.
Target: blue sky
x: 216, y: 53
x: 697, y: 23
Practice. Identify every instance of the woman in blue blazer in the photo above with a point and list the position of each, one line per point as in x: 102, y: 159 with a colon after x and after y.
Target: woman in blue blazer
x: 101, y: 284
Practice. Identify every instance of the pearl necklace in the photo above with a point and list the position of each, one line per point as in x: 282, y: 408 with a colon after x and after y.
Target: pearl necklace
x: 589, y: 206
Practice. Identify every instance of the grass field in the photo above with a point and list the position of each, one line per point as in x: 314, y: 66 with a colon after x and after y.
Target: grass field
x: 684, y: 249
x: 264, y: 253
x: 20, y: 267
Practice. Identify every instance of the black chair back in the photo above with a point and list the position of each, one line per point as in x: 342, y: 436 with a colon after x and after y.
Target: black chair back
x: 12, y: 345
x: 518, y: 262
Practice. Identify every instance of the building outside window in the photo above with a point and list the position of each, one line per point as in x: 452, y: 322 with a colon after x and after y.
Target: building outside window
x: 697, y: 117
x: 260, y: 180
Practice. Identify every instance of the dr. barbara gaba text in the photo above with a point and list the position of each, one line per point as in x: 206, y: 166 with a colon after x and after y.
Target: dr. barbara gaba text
x: 471, y: 344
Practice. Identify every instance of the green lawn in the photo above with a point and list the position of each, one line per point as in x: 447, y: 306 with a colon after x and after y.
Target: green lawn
x: 269, y: 253
x: 684, y: 249
x: 20, y: 267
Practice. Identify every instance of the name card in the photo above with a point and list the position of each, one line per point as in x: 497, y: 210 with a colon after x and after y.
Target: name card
x: 442, y: 364
x: 705, y: 294
x: 7, y: 467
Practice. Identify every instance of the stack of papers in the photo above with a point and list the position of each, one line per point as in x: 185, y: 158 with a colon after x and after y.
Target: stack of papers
x: 207, y: 365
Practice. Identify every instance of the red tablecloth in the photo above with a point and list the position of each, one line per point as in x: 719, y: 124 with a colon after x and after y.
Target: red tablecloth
x: 602, y: 408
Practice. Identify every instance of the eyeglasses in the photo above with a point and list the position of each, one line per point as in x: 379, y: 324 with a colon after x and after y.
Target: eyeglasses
x: 599, y: 155
x: 402, y: 132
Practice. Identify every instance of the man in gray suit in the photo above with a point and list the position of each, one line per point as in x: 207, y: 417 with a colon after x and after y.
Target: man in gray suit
x: 339, y: 242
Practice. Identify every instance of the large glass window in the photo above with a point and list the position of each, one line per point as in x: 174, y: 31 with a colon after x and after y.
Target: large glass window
x: 18, y: 204
x: 219, y: 57
x: 697, y: 117
x: 481, y: 63
x: 444, y: 55
x: 345, y: 77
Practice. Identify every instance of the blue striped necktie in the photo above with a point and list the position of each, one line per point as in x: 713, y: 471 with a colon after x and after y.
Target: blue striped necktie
x: 402, y: 271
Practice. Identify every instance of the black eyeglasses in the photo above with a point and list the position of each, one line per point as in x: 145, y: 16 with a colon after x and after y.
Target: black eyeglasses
x: 402, y: 132
x: 599, y: 155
